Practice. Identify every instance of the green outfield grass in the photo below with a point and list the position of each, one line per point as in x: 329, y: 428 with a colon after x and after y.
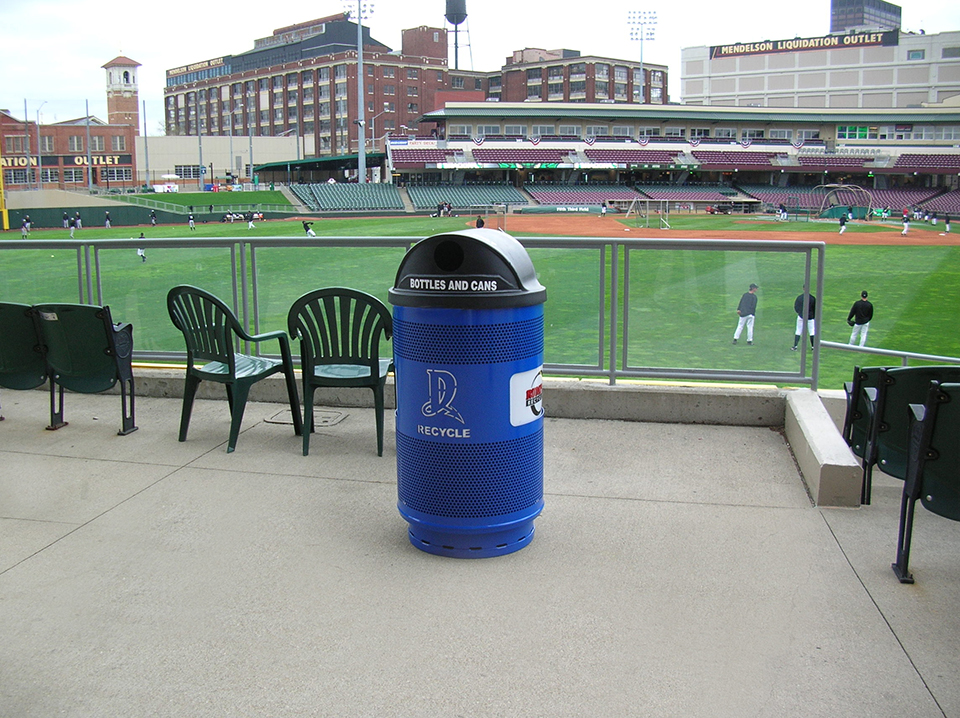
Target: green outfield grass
x: 202, y: 200
x: 682, y: 303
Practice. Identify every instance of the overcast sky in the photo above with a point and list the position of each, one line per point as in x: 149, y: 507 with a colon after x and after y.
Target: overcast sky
x: 52, y: 50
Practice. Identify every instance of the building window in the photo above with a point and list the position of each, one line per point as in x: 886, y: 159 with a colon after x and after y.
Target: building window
x: 597, y: 131
x: 781, y: 134
x: 323, y: 74
x: 75, y: 143
x: 73, y: 175
x: 555, y: 90
x: 456, y: 83
x: 389, y: 72
x: 950, y: 52
x: 514, y: 130
x: 48, y: 176
x: 602, y: 70
x: 656, y: 77
x: 413, y: 73
x: 488, y: 130
x: 578, y: 88
x: 12, y: 177
x: 543, y: 130
x: 116, y: 174
x: 277, y: 85
x: 46, y: 144
x: 916, y: 54
x: 306, y: 77
x: 118, y: 143
x: 699, y: 132
x: 570, y: 130
x: 620, y: 131
x: 389, y: 107
x: 412, y: 90
x: 16, y: 145
x: 656, y: 95
x: 97, y: 144
x: 555, y: 72
x: 389, y: 90
x: 534, y: 74
x: 578, y: 68
x: 674, y: 131
x: 188, y: 171
x: 808, y: 134
x: 751, y: 134
x: 477, y: 84
x: 413, y: 107
x: 534, y: 91
x: 619, y: 74
x: 727, y: 133
x: 601, y: 91
x: 648, y: 131
x: 947, y: 132
x: 340, y: 72
x: 461, y: 130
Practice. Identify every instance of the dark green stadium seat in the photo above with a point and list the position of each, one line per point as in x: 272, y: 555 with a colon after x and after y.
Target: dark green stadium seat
x: 210, y: 330
x: 87, y: 353
x: 933, y: 466
x: 22, y: 365
x: 340, y: 332
x: 856, y: 422
x: 887, y: 407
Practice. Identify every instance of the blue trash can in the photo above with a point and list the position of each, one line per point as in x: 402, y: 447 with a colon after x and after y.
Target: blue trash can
x: 468, y: 351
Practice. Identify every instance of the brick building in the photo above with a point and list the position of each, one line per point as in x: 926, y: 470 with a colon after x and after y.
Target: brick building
x: 59, y: 155
x: 302, y: 79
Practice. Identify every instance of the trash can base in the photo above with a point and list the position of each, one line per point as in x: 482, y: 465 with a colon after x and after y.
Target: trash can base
x: 474, y: 545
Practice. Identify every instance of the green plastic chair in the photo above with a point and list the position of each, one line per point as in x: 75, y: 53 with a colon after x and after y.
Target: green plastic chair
x: 887, y: 407
x: 22, y: 365
x: 211, y: 330
x: 933, y: 468
x: 87, y: 353
x: 340, y: 332
x: 856, y: 421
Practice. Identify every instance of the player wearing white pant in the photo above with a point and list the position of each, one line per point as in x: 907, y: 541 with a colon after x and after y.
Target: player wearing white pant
x: 746, y: 311
x: 859, y: 318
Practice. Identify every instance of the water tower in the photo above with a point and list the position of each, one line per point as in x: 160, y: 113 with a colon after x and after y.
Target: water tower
x: 456, y: 14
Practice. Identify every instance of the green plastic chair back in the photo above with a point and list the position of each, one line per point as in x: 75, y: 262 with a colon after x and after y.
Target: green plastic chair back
x: 340, y: 331
x: 211, y: 332
x: 22, y: 365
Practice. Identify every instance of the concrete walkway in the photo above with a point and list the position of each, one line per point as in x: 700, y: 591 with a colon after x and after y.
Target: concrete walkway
x: 677, y: 570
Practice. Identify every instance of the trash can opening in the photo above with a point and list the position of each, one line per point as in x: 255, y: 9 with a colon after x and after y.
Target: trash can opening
x: 448, y: 255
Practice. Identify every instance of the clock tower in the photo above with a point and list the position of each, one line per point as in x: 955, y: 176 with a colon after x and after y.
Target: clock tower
x: 123, y: 103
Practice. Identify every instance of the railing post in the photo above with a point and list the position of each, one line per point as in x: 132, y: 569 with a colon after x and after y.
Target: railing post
x: 614, y: 296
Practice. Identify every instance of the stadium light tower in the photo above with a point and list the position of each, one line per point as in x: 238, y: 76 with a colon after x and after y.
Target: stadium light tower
x: 363, y: 12
x: 643, y: 26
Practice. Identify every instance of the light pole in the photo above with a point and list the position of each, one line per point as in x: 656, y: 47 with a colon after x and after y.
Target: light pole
x: 39, y: 151
x: 364, y: 11
x: 373, y: 134
x: 643, y: 26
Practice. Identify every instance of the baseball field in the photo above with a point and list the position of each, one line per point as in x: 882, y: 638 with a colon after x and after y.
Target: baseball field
x: 682, y: 304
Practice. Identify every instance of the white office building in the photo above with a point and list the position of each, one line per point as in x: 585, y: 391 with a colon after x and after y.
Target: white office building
x: 880, y: 69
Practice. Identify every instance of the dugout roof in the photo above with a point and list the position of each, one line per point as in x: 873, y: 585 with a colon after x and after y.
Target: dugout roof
x: 322, y: 164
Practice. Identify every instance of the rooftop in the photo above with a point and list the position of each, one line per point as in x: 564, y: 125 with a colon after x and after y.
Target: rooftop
x: 677, y: 570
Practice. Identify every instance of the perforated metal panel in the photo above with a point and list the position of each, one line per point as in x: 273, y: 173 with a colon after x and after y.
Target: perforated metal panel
x: 470, y: 481
x: 471, y: 344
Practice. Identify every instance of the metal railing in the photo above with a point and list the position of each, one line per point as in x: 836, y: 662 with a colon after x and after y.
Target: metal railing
x: 903, y: 356
x: 610, y: 280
